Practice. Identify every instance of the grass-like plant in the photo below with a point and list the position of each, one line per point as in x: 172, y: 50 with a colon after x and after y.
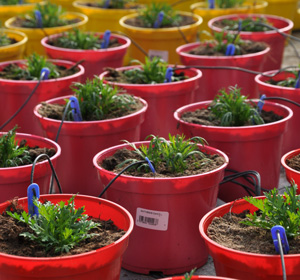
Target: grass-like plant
x: 188, y: 276
x: 97, y: 100
x: 277, y: 209
x: 149, y: 15
x: 232, y: 109
x: 11, y: 154
x: 222, y: 40
x: 225, y: 4
x: 247, y: 24
x: 51, y: 16
x: 4, y: 40
x: 58, y: 227
x: 173, y: 154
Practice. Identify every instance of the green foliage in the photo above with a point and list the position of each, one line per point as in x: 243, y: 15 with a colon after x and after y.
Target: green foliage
x: 9, y: 2
x: 287, y: 82
x: 232, y: 109
x: 51, y: 16
x: 188, y: 276
x: 4, y: 40
x: 11, y: 155
x: 149, y: 15
x: 225, y: 4
x: 116, y: 4
x: 222, y: 40
x: 58, y: 227
x: 97, y: 99
x: 248, y: 24
x: 276, y: 209
x: 77, y: 39
x: 173, y: 154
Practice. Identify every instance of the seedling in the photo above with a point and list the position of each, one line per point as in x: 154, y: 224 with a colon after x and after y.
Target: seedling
x: 287, y: 82
x: 277, y: 209
x: 225, y: 4
x: 247, y: 24
x: 4, y: 40
x: 59, y: 227
x: 115, y: 4
x: 97, y: 100
x: 9, y: 2
x: 188, y: 276
x: 222, y: 40
x: 149, y: 15
x: 11, y: 154
x: 173, y: 154
x: 232, y: 109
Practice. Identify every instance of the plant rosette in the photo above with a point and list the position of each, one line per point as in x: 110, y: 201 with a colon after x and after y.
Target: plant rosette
x: 167, y: 227
x: 95, y: 60
x: 247, y: 146
x: 160, y: 42
x: 275, y: 41
x: 274, y: 90
x: 283, y: 8
x: 163, y: 99
x: 104, y: 262
x: 243, y: 265
x: 81, y: 140
x: 35, y: 35
x: 214, y: 79
x: 14, y: 93
x: 15, y: 180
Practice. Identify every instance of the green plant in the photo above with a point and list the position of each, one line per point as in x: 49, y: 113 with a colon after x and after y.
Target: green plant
x: 277, y: 209
x: 51, y: 16
x: 232, y: 109
x: 188, y: 276
x: 11, y: 154
x: 4, y: 40
x: 222, y: 40
x: 225, y: 4
x: 96, y: 99
x: 247, y: 24
x: 58, y: 226
x: 287, y: 82
x: 115, y: 4
x: 149, y: 15
x: 173, y: 154
x: 10, y: 2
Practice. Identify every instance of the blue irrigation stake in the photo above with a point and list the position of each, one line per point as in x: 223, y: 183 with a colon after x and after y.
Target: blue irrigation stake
x: 159, y: 19
x: 75, y: 109
x: 106, y: 37
x: 240, y: 25
x: 211, y: 4
x: 45, y: 73
x: 169, y: 74
x: 230, y: 50
x: 150, y: 165
x: 38, y: 18
x: 106, y: 4
x: 297, y: 84
x: 20, y: 1
x: 261, y: 103
x: 279, y: 235
x: 33, y: 191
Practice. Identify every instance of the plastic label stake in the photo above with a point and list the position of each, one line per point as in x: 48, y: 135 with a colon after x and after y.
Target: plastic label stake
x: 159, y: 19
x: 38, y: 18
x: 279, y: 236
x: 261, y: 103
x: 240, y: 25
x: 45, y: 73
x: 211, y: 4
x: 106, y: 37
x: 33, y: 192
x: 75, y: 109
x: 297, y: 84
x: 230, y: 50
x: 169, y: 74
x: 150, y: 165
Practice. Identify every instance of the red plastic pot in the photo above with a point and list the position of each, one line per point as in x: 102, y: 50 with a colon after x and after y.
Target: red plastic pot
x: 198, y: 277
x: 275, y: 40
x: 215, y: 79
x: 291, y: 174
x: 167, y: 212
x: 14, y: 93
x: 290, y: 141
x: 163, y: 100
x: 103, y: 263
x: 256, y: 147
x: 14, y: 181
x: 242, y: 265
x: 94, y: 60
x: 80, y: 141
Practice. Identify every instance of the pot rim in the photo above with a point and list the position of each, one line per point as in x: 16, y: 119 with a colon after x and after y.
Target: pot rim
x: 288, y: 155
x: 17, y: 44
x: 79, y: 4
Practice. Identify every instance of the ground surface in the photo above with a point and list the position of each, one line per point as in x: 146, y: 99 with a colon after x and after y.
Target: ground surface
x: 290, y: 59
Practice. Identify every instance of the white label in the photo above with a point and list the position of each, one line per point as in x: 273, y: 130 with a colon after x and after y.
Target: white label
x: 157, y: 220
x: 162, y: 54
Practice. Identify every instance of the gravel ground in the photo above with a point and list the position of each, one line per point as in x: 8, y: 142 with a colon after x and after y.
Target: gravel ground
x: 290, y: 59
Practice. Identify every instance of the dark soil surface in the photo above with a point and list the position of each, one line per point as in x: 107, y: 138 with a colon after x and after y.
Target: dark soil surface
x: 294, y: 162
x: 228, y: 232
x: 246, y: 48
x: 185, y: 20
x: 20, y: 22
x: 13, y: 244
x: 120, y: 156
x: 11, y: 41
x: 55, y: 111
x: 99, y: 5
x: 205, y: 117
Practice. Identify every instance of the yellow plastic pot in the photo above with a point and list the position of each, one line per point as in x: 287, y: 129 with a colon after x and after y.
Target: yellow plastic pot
x: 283, y: 8
x: 161, y: 41
x: 297, y: 20
x: 182, y: 6
x: 100, y: 19
x: 14, y: 51
x: 249, y: 7
x: 35, y: 35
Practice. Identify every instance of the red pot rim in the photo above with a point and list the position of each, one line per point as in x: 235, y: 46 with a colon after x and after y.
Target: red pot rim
x: 66, y: 258
x: 57, y: 99
x: 55, y: 61
x: 289, y: 23
x: 198, y: 75
x: 125, y: 45
x: 198, y: 277
x: 117, y: 147
x: 38, y: 138
x: 182, y: 109
x: 288, y: 156
x: 181, y: 52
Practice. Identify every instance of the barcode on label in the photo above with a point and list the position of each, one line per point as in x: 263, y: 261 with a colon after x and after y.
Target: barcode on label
x: 152, y: 219
x: 149, y: 221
